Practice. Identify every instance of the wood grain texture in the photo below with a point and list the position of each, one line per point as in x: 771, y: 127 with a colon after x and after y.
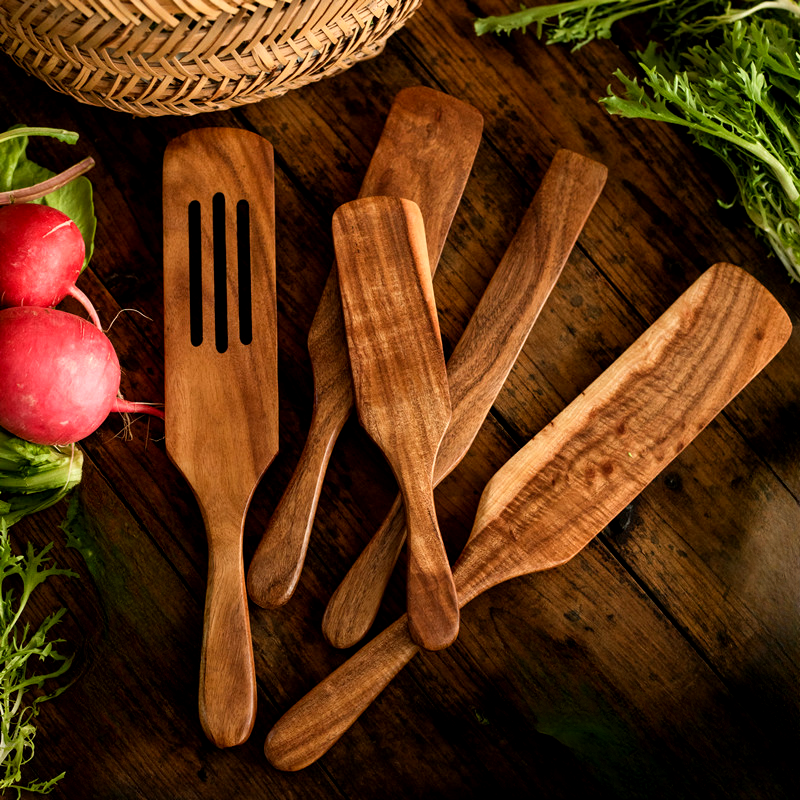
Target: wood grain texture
x: 479, y: 365
x: 222, y: 407
x: 400, y: 383
x: 554, y: 496
x: 663, y: 661
x: 628, y: 425
x: 425, y: 154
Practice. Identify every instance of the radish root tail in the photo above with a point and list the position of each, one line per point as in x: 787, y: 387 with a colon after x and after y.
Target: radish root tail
x: 127, y: 407
x: 75, y: 292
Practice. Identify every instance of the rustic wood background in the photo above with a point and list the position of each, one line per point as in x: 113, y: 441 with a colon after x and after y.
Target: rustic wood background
x: 663, y: 661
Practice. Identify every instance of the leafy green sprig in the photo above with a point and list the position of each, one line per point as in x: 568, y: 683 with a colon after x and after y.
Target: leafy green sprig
x: 21, y: 650
x: 576, y: 21
x: 728, y: 93
x: 579, y: 22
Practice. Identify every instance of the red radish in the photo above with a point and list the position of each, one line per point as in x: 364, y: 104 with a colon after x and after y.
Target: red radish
x: 41, y: 257
x: 59, y: 376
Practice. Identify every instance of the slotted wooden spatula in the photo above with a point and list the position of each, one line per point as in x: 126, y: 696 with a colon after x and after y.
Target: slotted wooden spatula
x: 478, y: 367
x: 400, y: 383
x: 550, y: 500
x: 425, y: 154
x: 221, y: 390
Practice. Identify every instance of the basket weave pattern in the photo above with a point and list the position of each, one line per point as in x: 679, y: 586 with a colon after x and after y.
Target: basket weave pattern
x: 158, y: 57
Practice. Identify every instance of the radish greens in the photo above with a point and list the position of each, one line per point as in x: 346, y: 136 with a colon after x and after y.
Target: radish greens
x: 33, y: 476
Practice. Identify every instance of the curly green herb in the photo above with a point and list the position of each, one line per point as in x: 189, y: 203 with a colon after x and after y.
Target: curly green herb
x: 22, y: 651
x: 730, y: 77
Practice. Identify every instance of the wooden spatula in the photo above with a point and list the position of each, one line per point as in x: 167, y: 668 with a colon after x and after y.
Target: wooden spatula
x: 425, y: 154
x: 400, y: 383
x: 479, y: 365
x: 548, y: 501
x: 221, y: 388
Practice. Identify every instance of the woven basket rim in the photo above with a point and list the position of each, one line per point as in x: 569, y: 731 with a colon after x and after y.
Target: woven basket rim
x: 167, y: 12
x: 262, y: 49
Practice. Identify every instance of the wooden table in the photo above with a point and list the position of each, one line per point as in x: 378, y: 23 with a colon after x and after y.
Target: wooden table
x: 664, y: 660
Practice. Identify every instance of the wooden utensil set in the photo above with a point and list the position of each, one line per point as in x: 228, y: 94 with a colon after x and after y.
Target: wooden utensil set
x: 375, y: 346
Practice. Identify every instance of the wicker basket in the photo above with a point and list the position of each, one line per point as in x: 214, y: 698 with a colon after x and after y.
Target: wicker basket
x: 158, y: 57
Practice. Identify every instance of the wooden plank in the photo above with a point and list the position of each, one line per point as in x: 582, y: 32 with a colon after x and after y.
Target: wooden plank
x: 662, y: 661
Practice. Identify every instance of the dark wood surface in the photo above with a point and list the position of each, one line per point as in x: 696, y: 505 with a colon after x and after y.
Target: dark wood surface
x: 662, y: 661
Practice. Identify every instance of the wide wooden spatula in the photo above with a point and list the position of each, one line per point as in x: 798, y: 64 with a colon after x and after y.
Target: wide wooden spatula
x: 560, y: 490
x: 221, y: 388
x: 400, y: 383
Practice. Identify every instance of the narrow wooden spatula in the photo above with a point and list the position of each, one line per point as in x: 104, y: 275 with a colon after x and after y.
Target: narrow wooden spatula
x: 221, y: 390
x: 553, y: 497
x: 400, y: 383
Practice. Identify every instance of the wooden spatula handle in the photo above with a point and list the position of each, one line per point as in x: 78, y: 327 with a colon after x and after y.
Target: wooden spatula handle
x: 432, y: 601
x: 308, y: 729
x: 278, y: 560
x: 227, y: 672
x: 354, y: 605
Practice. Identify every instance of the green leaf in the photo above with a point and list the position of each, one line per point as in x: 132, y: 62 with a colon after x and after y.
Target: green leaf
x: 738, y: 95
x: 12, y: 151
x: 573, y: 21
x: 79, y: 536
